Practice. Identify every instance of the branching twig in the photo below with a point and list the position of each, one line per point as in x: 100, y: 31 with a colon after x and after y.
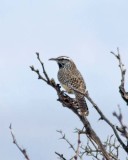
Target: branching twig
x: 76, y: 151
x: 39, y: 75
x: 122, y: 91
x: 42, y: 64
x: 64, y: 138
x: 71, y: 145
x: 23, y: 151
x: 90, y: 151
x: 112, y: 147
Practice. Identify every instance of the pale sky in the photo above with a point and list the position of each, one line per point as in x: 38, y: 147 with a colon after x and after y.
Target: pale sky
x: 86, y: 31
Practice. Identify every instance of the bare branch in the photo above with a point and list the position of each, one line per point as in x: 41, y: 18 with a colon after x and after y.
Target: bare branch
x: 122, y: 91
x: 64, y: 138
x: 90, y: 151
x: 112, y: 147
x: 60, y: 156
x: 42, y: 64
x: 78, y: 147
x: 23, y: 151
x: 39, y: 75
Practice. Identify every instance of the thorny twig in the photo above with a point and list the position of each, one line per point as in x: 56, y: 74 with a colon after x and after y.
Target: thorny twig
x: 78, y: 151
x: 72, y: 105
x: 122, y: 91
x: 60, y: 156
x: 96, y: 153
x: 78, y: 147
x: 113, y: 147
x: 90, y: 151
x: 87, y: 149
x: 23, y: 151
x: 63, y: 136
x: 123, y: 129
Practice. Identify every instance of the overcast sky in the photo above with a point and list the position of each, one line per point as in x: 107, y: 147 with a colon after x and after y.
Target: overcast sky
x: 86, y: 31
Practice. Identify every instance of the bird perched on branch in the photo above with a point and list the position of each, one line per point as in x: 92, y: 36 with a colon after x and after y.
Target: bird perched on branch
x: 72, y: 81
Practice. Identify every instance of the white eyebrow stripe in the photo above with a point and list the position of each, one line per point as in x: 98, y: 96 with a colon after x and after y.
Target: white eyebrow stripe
x: 64, y: 57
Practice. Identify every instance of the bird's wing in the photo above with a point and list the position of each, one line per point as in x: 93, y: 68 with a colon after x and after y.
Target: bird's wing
x: 76, y: 82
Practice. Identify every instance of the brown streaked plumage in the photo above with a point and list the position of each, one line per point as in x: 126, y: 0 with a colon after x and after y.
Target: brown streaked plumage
x: 72, y: 81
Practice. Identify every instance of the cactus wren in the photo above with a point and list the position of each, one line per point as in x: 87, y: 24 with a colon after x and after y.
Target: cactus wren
x: 72, y: 81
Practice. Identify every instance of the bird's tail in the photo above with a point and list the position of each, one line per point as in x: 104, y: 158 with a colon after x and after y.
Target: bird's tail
x: 82, y: 105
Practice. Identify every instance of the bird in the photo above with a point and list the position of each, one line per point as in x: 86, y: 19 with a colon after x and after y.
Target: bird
x: 72, y: 81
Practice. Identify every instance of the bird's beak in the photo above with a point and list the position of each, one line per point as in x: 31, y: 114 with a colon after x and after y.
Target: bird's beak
x: 53, y: 59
